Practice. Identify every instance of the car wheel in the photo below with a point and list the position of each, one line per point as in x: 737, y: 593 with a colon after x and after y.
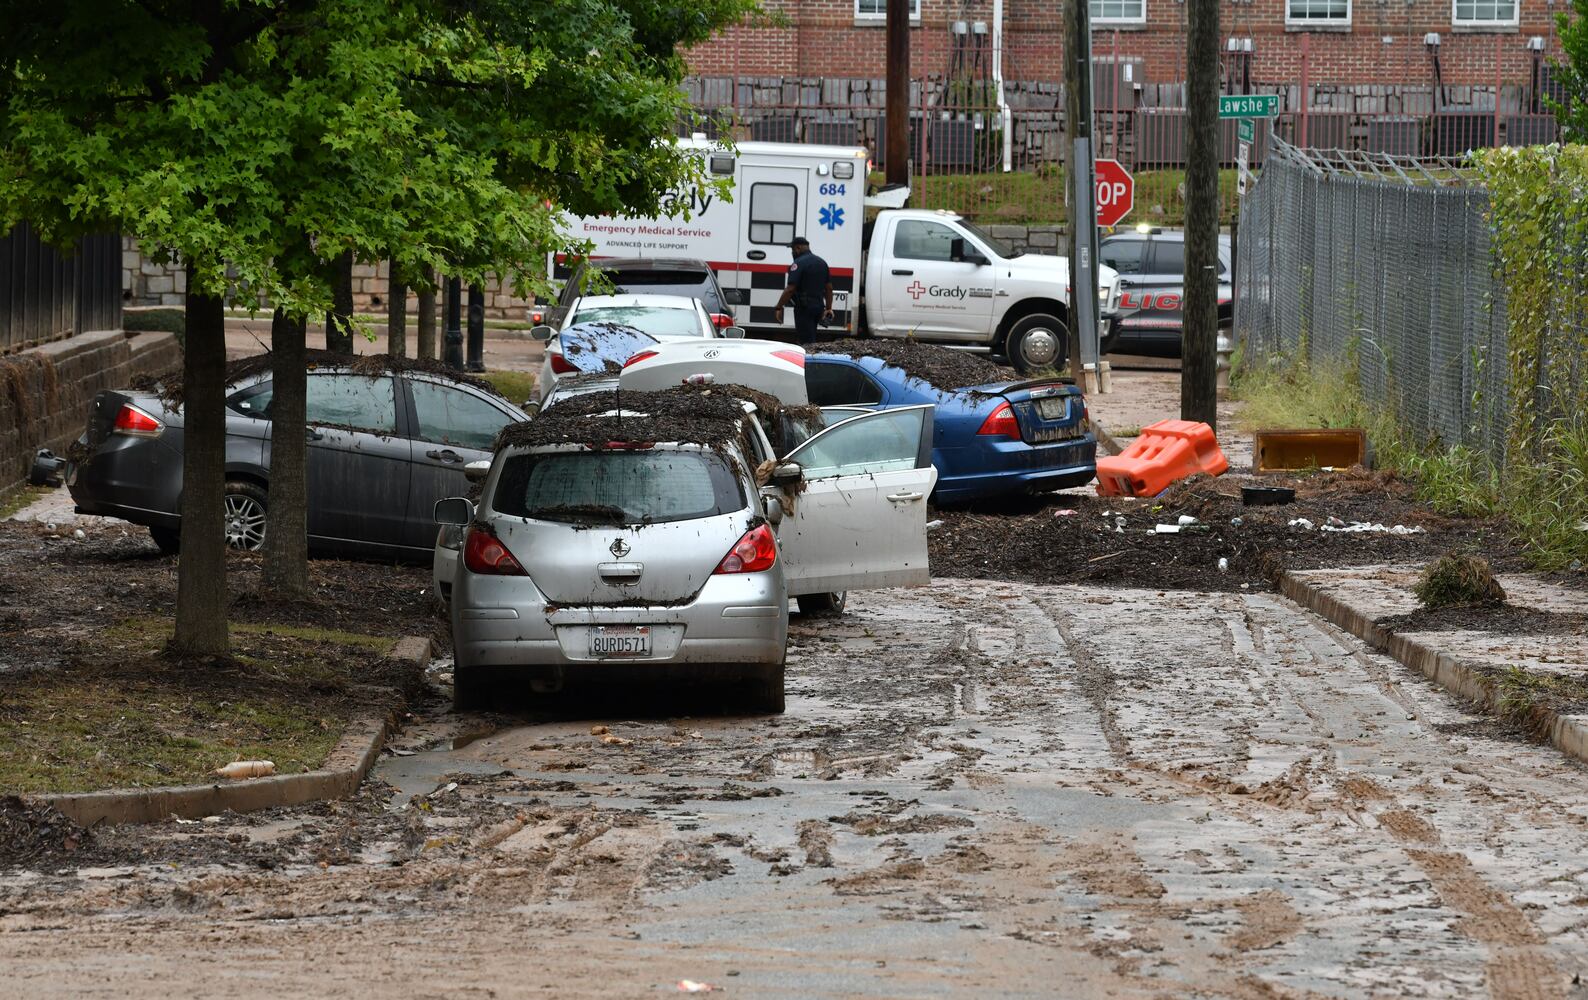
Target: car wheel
x: 245, y: 516
x: 822, y: 604
x: 169, y: 539
x: 1038, y: 342
x: 765, y: 693
x: 471, y: 688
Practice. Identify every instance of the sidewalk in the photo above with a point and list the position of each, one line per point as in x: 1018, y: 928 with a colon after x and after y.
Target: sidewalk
x: 1522, y: 660
x: 505, y: 350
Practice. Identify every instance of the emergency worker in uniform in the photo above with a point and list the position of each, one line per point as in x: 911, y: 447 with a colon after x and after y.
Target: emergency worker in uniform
x: 810, y: 289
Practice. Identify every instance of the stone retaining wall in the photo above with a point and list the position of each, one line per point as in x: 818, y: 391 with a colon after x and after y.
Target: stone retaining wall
x: 34, y: 413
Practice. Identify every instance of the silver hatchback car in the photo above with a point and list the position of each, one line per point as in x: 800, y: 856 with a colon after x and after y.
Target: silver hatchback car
x: 614, y: 542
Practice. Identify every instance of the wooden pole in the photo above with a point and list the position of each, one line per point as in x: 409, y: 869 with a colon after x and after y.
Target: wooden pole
x: 1198, y: 369
x: 897, y: 143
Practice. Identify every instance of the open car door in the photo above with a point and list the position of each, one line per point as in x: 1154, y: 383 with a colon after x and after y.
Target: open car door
x: 859, y: 522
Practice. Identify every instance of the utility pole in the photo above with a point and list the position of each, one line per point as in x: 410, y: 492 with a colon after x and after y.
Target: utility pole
x: 1199, y: 363
x: 1082, y: 320
x: 896, y: 144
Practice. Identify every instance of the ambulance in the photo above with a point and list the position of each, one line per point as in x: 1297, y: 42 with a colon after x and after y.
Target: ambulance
x: 930, y: 275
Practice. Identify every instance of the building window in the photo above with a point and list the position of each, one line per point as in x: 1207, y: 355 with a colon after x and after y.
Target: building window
x: 877, y: 10
x: 1318, y: 12
x: 1483, y: 13
x: 1119, y: 11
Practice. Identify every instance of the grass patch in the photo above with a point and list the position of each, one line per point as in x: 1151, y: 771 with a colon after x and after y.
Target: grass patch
x: 21, y: 497
x: 1458, y: 579
x: 137, y: 719
x: 1529, y: 699
x: 73, y: 734
x: 514, y: 386
x: 1544, y: 497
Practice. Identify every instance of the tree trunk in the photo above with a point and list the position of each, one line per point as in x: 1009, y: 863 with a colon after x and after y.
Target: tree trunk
x: 1199, y: 363
x: 201, y: 571
x: 396, y: 314
x: 338, y: 323
x: 427, y: 317
x: 287, y: 517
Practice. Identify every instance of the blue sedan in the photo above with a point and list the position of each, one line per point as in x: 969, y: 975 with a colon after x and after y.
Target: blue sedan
x: 991, y: 439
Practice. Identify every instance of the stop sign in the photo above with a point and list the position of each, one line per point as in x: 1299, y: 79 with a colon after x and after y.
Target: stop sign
x: 1116, y: 192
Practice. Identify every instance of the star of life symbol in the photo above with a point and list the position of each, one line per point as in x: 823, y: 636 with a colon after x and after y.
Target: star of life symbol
x: 916, y: 290
x: 831, y: 216
x: 619, y: 548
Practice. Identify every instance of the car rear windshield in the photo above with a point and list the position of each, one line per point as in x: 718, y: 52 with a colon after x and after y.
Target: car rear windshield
x: 654, y: 320
x: 653, y: 280
x: 617, y: 487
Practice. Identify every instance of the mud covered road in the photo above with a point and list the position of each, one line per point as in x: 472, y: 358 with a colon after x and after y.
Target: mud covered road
x: 979, y: 789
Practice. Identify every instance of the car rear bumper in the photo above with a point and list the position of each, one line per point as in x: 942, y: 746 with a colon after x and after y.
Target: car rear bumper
x: 503, y: 622
x: 1009, y: 466
x: 136, y: 479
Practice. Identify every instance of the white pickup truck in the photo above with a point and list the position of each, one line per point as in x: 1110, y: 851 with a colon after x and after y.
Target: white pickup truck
x: 918, y: 273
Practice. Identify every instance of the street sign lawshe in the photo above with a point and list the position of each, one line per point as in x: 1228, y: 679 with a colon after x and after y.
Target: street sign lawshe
x: 1116, y: 192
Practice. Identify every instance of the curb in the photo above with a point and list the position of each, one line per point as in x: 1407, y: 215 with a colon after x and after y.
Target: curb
x: 1568, y: 733
x: 1106, y: 440
x: 341, y: 774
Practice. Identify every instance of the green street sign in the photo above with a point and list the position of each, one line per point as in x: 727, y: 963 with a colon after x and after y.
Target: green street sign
x: 1249, y: 106
x: 1245, y: 129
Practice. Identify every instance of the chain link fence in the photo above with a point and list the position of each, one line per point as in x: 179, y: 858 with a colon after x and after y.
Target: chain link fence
x: 1382, y: 262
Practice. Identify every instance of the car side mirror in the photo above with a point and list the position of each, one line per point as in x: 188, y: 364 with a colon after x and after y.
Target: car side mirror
x: 476, y: 471
x: 454, y: 510
x: 542, y: 332
x: 733, y: 332
x: 774, y: 509
x: 531, y: 407
x: 787, y: 473
x: 736, y: 296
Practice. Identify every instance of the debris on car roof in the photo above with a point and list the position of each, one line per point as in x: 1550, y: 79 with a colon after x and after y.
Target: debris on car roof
x: 169, y: 385
x: 943, y: 367
x: 705, y: 415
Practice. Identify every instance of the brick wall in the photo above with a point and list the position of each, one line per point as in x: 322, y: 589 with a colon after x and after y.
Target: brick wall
x: 1383, y: 43
x: 81, y: 366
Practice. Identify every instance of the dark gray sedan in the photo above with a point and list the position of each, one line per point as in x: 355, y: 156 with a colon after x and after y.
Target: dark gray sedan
x: 382, y: 450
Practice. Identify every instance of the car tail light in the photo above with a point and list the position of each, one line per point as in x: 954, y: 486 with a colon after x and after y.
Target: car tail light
x: 1001, y: 422
x: 484, y: 553
x: 636, y: 359
x: 796, y: 358
x: 560, y: 365
x: 721, y: 320
x: 537, y: 318
x: 755, y: 552
x: 131, y: 420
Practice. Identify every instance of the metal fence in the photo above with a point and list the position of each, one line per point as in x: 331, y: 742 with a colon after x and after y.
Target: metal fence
x: 1384, y: 262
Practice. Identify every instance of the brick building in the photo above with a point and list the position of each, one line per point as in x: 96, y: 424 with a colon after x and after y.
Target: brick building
x: 1331, y: 42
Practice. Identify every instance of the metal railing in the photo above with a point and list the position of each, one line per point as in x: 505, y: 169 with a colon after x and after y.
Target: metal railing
x: 1380, y: 261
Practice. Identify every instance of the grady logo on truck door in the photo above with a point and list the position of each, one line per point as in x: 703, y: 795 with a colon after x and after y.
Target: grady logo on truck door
x: 916, y: 290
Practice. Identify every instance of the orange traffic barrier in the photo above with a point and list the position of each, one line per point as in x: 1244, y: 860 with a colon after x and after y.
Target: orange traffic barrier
x: 1165, y: 452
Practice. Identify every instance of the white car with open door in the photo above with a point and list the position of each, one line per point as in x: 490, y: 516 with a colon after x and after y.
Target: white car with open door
x: 625, y: 536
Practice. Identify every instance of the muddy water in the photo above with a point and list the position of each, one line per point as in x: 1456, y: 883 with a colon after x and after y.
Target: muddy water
x: 977, y: 789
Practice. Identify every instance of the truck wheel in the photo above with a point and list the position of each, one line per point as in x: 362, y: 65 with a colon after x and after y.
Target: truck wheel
x: 1038, y: 342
